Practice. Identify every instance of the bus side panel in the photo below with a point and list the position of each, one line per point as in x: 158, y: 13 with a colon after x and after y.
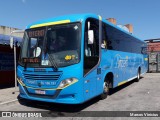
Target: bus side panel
x: 123, y: 65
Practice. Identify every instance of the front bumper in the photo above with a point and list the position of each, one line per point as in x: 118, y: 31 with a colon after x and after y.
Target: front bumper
x: 68, y: 95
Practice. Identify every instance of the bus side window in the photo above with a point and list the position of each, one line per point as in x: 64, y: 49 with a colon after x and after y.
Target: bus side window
x: 104, y: 37
x: 106, y: 42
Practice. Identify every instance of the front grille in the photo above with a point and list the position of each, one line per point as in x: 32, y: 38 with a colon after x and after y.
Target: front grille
x: 41, y: 76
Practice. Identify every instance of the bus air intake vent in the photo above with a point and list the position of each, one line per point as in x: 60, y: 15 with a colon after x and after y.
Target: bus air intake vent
x: 42, y: 76
x: 39, y: 70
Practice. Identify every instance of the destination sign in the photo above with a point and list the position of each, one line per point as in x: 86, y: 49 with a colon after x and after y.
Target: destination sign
x: 36, y: 33
x: 31, y: 60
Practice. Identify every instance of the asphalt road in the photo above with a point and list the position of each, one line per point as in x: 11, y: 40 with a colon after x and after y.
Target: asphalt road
x: 133, y: 96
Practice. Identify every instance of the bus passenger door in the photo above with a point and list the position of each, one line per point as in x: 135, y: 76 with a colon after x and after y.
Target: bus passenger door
x: 91, y: 58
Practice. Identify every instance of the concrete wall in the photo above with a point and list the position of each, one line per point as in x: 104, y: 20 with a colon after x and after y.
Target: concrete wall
x: 7, y: 31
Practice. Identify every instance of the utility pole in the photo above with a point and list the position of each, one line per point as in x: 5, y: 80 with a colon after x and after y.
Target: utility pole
x: 13, y: 43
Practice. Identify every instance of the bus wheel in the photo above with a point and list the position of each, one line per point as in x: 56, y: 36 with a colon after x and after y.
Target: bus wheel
x: 105, y: 90
x: 138, y: 75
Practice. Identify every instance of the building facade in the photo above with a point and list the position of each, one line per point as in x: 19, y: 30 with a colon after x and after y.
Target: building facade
x: 153, y: 50
x: 7, y: 56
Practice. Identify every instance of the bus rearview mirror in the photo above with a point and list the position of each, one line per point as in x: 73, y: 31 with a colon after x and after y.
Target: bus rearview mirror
x: 11, y: 42
x: 90, y: 36
x: 89, y: 24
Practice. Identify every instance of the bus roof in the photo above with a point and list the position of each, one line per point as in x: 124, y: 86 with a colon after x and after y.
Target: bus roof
x: 74, y: 18
x: 62, y: 19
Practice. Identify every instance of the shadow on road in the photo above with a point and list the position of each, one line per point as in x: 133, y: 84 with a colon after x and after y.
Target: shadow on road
x: 117, y: 89
x: 58, y: 107
x: 63, y: 108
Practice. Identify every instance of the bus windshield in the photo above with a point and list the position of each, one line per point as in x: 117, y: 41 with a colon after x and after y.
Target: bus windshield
x: 51, y: 46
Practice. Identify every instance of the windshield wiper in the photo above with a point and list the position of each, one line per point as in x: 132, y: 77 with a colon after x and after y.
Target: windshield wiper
x: 51, y: 59
x: 53, y: 63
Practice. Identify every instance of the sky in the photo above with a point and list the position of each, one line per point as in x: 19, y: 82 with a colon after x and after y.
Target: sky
x: 142, y: 14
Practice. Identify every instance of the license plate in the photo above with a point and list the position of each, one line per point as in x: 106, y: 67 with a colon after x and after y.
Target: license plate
x: 42, y: 92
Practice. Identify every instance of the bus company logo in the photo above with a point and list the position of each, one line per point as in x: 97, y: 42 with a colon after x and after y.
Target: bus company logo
x: 120, y: 62
x: 41, y: 83
x: 6, y: 114
x: 32, y: 82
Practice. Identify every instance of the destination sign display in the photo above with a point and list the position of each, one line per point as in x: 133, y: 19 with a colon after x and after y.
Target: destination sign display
x: 36, y: 33
x: 31, y: 60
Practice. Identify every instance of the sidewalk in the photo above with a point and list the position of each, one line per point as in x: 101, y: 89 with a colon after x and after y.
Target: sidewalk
x: 8, y: 95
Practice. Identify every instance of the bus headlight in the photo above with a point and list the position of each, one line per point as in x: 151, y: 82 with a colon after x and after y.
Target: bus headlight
x: 67, y: 82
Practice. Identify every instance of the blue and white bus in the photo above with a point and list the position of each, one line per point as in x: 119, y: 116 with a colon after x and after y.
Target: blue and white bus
x: 71, y: 59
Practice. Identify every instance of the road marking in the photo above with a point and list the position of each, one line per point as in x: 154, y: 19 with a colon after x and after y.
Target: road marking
x: 7, y: 102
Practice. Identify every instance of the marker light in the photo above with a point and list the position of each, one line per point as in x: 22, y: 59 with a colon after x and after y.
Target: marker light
x: 20, y: 80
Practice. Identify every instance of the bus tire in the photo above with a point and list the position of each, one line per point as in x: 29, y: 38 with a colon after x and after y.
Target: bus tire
x: 138, y: 75
x: 105, y: 90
